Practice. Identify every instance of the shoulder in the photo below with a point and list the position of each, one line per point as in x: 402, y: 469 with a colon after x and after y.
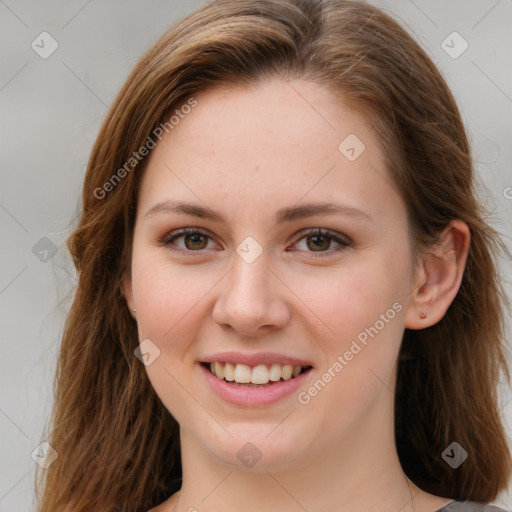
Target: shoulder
x: 470, y: 506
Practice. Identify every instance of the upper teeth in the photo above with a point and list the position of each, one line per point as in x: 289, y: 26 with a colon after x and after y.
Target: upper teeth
x: 260, y: 374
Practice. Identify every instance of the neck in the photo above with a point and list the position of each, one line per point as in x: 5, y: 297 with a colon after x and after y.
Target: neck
x: 360, y: 472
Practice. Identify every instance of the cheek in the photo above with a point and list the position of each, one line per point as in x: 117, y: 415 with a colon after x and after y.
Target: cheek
x: 354, y: 296
x: 363, y: 307
x: 357, y: 378
x: 168, y: 300
x: 167, y: 294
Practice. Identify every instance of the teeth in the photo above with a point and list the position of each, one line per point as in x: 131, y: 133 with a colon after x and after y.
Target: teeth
x: 287, y: 372
x: 242, y: 374
x: 275, y: 372
x: 229, y: 372
x: 260, y: 374
x: 219, y: 370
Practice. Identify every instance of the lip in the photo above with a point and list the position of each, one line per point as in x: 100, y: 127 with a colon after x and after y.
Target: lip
x: 254, y: 359
x: 253, y: 397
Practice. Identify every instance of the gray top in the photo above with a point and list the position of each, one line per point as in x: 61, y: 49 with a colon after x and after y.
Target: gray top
x: 469, y: 506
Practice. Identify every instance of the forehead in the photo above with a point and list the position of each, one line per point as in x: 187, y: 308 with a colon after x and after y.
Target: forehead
x: 292, y: 119
x: 275, y: 142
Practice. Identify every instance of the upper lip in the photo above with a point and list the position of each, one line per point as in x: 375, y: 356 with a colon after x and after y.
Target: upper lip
x: 255, y: 359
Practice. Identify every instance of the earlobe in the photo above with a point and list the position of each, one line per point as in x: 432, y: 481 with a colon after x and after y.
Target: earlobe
x: 439, y: 277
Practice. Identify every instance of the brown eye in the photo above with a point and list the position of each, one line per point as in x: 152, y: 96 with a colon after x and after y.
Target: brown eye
x: 318, y: 243
x: 195, y: 241
x: 187, y: 240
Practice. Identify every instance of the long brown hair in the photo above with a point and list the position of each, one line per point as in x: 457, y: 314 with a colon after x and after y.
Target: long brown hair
x: 118, y: 446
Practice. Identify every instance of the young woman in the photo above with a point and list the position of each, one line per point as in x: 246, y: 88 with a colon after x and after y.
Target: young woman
x: 287, y: 295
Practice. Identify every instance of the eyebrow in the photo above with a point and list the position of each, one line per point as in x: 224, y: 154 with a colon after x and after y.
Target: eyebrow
x: 283, y: 215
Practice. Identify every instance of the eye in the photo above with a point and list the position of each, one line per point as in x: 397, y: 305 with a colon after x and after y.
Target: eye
x: 318, y: 241
x: 194, y: 240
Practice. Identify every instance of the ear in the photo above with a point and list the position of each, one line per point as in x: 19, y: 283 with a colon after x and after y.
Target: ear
x: 438, y: 277
x: 126, y: 289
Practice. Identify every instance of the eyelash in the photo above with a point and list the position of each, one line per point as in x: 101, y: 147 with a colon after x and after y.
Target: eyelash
x: 344, y: 242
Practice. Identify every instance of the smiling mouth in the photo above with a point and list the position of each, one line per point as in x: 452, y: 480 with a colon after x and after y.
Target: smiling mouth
x: 261, y: 375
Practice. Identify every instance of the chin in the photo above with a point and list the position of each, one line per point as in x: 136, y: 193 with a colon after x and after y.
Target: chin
x: 260, y: 447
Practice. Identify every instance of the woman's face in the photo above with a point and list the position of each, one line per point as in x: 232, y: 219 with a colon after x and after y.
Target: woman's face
x: 254, y: 284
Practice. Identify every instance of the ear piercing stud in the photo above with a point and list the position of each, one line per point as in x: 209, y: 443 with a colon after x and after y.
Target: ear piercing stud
x: 134, y: 310
x: 423, y: 315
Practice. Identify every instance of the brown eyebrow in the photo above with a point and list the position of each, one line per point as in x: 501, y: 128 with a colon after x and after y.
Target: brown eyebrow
x: 283, y: 215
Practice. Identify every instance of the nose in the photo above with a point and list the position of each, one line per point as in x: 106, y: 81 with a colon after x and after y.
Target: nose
x: 251, y: 299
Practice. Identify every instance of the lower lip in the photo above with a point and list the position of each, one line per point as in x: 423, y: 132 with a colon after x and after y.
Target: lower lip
x: 253, y: 396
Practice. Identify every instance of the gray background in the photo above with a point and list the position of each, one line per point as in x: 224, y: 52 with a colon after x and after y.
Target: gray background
x: 51, y: 111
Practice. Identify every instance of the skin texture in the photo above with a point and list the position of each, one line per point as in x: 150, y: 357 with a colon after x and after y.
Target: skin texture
x: 245, y: 153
